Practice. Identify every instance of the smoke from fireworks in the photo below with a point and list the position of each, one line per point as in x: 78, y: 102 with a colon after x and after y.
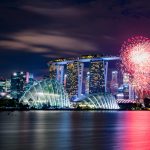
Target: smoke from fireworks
x: 135, y: 56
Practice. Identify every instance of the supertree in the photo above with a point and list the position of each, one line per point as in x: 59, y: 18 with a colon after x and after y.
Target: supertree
x: 135, y: 57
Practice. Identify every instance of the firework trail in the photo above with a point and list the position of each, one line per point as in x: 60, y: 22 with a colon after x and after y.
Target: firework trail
x: 135, y: 57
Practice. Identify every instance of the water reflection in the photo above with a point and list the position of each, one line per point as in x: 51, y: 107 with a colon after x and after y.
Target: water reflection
x: 68, y: 130
x: 133, y: 131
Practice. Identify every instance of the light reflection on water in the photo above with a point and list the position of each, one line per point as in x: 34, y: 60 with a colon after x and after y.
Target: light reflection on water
x: 66, y: 130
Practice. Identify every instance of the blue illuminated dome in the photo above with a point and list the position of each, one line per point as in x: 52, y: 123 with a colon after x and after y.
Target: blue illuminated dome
x: 46, y: 94
x: 99, y: 101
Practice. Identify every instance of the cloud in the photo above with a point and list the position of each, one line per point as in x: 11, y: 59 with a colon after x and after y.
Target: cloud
x: 20, y: 46
x: 41, y: 43
x: 57, y: 41
x: 66, y: 12
x: 48, y: 29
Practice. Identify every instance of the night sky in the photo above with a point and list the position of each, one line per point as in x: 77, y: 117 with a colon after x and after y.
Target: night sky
x: 32, y: 32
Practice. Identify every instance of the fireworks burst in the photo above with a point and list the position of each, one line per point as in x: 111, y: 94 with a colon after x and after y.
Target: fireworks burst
x: 135, y: 56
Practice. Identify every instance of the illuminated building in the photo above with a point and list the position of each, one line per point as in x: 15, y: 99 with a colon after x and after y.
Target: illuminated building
x: 126, y: 78
x: 29, y: 77
x: 8, y: 85
x: 53, y: 71
x: 87, y: 82
x: 80, y: 78
x: 31, y: 81
x: 2, y: 85
x: 56, y: 72
x: 69, y: 72
x: 128, y: 91
x: 132, y: 95
x: 114, y: 82
x: 97, y: 77
x: 74, y: 79
x: 65, y: 80
x: 60, y: 73
x: 115, y: 76
x: 18, y: 81
x: 90, y: 56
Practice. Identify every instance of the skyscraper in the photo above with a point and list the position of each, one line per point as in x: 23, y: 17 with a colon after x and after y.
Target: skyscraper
x: 53, y: 71
x: 131, y: 92
x: 126, y: 78
x: 65, y: 81
x: 74, y: 79
x: 2, y: 85
x: 80, y: 78
x: 18, y: 81
x: 97, y: 77
x: 60, y: 73
x: 87, y: 82
x: 114, y: 82
x: 126, y: 82
x: 57, y: 72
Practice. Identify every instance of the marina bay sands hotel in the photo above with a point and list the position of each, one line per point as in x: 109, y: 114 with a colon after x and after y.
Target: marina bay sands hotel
x: 83, y: 75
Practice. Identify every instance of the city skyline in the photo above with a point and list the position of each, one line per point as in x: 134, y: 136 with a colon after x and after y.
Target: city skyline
x: 87, y: 74
x: 34, y: 32
x: 74, y: 74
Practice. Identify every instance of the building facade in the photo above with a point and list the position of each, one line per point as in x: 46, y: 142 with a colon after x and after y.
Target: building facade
x: 114, y: 83
x: 87, y: 82
x: 53, y: 71
x: 72, y: 73
x: 18, y: 81
x: 74, y: 79
x: 97, y: 77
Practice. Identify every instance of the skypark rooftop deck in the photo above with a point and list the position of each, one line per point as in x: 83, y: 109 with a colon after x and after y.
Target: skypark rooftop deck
x: 65, y: 61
